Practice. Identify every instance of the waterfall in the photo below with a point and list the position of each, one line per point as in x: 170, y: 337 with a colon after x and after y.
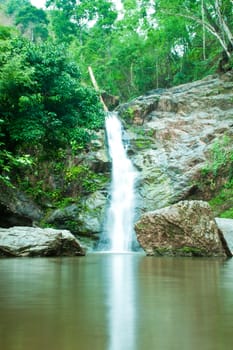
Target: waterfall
x: 119, y: 235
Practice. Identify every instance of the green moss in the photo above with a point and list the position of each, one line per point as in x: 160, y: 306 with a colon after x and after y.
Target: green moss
x: 191, y: 251
x: 142, y: 143
x: 227, y: 214
x: 222, y: 203
x: 141, y: 226
x: 66, y: 201
x: 221, y: 155
x: 128, y: 114
x: 184, y: 251
x: 163, y: 251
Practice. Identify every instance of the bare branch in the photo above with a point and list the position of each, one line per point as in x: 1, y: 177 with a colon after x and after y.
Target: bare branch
x: 94, y: 82
x: 203, y: 30
x: 210, y: 28
x: 224, y: 26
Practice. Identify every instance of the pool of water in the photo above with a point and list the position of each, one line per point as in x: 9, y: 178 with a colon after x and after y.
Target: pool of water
x: 116, y: 302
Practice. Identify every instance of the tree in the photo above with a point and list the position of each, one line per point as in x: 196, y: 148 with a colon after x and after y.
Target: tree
x: 30, y: 20
x: 214, y: 15
x: 73, y: 18
x: 42, y: 100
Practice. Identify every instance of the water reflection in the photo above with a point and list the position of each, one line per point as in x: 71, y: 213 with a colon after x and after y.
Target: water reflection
x: 116, y: 302
x: 122, y: 301
x: 182, y: 299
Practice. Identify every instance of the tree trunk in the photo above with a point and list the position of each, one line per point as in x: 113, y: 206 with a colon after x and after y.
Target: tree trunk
x: 203, y: 30
x: 223, y: 26
x: 94, y: 82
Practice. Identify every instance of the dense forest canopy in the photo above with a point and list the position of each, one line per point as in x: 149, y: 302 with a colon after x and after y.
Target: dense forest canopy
x: 46, y: 97
x: 149, y: 43
x: 145, y: 44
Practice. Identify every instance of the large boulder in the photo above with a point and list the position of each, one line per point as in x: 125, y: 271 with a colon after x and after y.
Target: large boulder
x: 187, y: 228
x: 24, y: 241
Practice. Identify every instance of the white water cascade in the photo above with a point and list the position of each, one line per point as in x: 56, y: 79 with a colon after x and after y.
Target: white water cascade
x: 119, y: 235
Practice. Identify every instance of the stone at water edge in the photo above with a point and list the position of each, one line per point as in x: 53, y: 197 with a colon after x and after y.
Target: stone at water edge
x: 226, y: 226
x: 21, y: 241
x: 187, y: 228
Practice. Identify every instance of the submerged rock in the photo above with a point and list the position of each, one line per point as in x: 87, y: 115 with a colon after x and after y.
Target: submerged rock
x: 22, y: 241
x: 187, y: 228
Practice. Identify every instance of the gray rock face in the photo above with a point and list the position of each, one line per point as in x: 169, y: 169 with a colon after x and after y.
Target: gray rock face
x: 86, y: 219
x: 172, y: 134
x: 16, y: 208
x: 29, y: 241
x: 92, y: 216
x: 187, y: 228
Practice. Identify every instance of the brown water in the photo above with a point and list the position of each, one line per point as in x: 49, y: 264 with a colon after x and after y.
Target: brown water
x: 116, y: 302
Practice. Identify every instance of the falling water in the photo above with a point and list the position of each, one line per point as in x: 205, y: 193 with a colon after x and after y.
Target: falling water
x: 119, y: 235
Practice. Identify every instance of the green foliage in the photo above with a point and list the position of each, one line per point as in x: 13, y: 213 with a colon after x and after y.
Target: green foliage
x: 216, y: 179
x: 86, y: 180
x: 184, y: 251
x: 222, y: 203
x: 31, y: 21
x: 42, y: 99
x: 44, y: 107
x: 149, y: 45
x: 227, y: 214
x: 152, y: 45
x: 70, y: 19
x: 221, y: 154
x: 10, y: 164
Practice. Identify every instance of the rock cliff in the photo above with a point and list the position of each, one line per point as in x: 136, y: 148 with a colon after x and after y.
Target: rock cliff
x: 173, y: 133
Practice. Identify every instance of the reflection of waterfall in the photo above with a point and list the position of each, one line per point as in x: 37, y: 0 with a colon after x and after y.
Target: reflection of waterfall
x: 119, y: 235
x: 122, y: 303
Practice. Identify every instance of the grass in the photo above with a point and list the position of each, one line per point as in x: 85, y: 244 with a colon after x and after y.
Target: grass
x: 222, y: 203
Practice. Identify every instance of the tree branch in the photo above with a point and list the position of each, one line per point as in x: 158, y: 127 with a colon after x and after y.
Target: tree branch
x: 94, y: 82
x: 211, y: 29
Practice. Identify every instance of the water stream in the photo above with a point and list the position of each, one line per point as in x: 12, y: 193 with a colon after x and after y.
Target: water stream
x: 119, y: 235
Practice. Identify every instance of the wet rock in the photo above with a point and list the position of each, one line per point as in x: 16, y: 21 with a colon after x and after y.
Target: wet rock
x: 17, y: 209
x: 91, y: 217
x: 137, y: 111
x: 24, y: 241
x: 61, y: 217
x: 187, y: 228
x: 85, y: 218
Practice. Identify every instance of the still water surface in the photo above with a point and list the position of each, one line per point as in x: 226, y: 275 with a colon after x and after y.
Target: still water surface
x: 116, y: 302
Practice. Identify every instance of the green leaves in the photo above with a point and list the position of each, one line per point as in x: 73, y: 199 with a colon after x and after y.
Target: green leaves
x: 42, y: 99
x: 30, y: 20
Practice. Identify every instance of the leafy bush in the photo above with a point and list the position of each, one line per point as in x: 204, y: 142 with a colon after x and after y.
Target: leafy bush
x: 221, y: 154
x: 42, y: 98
